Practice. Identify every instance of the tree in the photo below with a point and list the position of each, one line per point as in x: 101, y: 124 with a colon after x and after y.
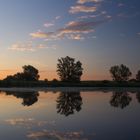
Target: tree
x: 69, y: 70
x: 30, y: 73
x: 138, y: 76
x: 120, y: 73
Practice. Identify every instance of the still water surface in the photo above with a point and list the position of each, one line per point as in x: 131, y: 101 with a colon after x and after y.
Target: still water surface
x: 70, y: 115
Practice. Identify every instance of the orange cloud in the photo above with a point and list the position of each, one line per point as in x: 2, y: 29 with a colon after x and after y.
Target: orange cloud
x: 85, y: 1
x: 73, y: 27
x: 82, y: 8
x: 22, y: 47
x: 40, y: 34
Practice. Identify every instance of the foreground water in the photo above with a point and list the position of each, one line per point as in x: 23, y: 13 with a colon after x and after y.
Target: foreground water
x: 70, y: 115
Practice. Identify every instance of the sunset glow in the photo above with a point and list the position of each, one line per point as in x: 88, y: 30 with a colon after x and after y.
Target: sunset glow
x: 99, y: 33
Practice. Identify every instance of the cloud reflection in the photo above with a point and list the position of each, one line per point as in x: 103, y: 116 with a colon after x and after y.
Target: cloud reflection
x: 56, y: 135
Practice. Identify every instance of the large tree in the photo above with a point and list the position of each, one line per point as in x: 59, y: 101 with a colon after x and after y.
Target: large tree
x: 120, y: 73
x: 69, y: 70
x: 30, y: 73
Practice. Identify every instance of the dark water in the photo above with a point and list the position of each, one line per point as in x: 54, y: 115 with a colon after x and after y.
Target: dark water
x: 79, y: 115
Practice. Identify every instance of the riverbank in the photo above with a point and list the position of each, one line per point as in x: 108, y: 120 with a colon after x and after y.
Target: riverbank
x: 104, y: 83
x: 71, y: 89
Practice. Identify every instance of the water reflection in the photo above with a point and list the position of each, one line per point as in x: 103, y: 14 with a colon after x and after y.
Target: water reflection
x: 120, y: 99
x: 68, y: 102
x: 29, y: 98
x: 138, y: 96
x: 97, y: 120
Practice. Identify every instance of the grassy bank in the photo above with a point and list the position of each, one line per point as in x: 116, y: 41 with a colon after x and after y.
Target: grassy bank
x: 67, y: 84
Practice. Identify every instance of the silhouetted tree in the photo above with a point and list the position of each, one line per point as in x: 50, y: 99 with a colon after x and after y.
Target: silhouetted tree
x: 120, y: 73
x: 9, y: 78
x: 30, y: 73
x: 120, y: 99
x: 68, y: 69
x: 29, y: 98
x: 138, y: 76
x: 54, y: 80
x: 68, y: 102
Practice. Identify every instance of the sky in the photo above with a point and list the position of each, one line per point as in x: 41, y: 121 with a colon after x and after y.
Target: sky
x: 99, y: 33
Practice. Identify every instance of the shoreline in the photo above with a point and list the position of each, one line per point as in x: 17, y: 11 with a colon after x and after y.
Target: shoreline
x: 71, y: 89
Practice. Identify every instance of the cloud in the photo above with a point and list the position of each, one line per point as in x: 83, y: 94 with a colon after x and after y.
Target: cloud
x: 82, y: 8
x: 40, y: 34
x: 75, y: 37
x: 138, y: 33
x: 30, y: 47
x: 48, y: 24
x: 80, y: 27
x: 103, y: 13
x: 121, y: 5
x: 42, y: 46
x: 85, y: 1
x: 57, y: 17
x: 71, y: 28
x: 22, y: 47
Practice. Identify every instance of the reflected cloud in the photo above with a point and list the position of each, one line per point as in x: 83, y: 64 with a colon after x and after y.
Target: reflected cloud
x: 120, y: 99
x: 56, y: 135
x: 69, y: 102
x: 28, y: 122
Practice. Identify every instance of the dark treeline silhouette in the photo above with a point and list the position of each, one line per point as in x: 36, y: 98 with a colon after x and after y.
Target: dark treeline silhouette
x: 68, y: 103
x: 29, y: 98
x: 29, y: 73
x: 70, y: 71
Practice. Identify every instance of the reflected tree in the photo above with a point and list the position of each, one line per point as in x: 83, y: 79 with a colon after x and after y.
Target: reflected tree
x: 68, y: 103
x: 120, y: 99
x: 29, y: 98
x: 138, y: 96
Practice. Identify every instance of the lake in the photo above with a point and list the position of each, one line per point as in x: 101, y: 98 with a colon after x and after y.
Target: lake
x: 70, y: 114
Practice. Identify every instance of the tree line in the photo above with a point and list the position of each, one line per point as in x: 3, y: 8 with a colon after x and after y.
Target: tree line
x: 70, y: 70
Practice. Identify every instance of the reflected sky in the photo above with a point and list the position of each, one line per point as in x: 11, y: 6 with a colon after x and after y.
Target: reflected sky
x: 80, y: 115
